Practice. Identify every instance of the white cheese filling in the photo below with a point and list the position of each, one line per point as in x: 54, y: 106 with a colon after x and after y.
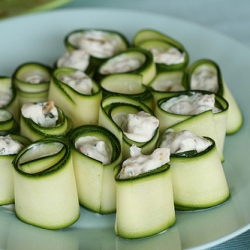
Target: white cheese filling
x: 8, y: 146
x: 190, y: 105
x: 95, y: 148
x: 97, y: 43
x: 120, y: 64
x: 44, y: 114
x: 168, y: 57
x: 77, y: 59
x: 139, y: 127
x: 139, y: 163
x: 184, y: 141
x: 35, y: 79
x: 204, y: 78
x: 5, y: 98
x: 78, y: 81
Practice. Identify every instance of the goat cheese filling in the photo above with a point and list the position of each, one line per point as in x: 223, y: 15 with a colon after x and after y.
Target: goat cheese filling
x: 44, y: 114
x: 184, y: 141
x: 190, y: 104
x: 95, y: 148
x: 78, y: 81
x: 8, y: 146
x: 139, y: 163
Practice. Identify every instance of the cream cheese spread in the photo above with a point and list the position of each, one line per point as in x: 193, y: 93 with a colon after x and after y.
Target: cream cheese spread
x: 204, y: 78
x: 8, y: 146
x: 42, y: 113
x: 97, y: 43
x: 120, y: 64
x: 190, y: 104
x: 35, y: 79
x: 168, y: 57
x: 139, y: 163
x: 95, y: 148
x: 76, y: 59
x: 139, y: 127
x: 78, y: 81
x: 184, y: 141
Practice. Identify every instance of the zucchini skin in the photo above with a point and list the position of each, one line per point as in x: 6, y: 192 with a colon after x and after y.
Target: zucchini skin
x: 10, y: 125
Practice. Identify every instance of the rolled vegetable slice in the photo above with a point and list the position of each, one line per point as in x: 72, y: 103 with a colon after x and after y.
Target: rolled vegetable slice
x: 45, y: 187
x: 205, y: 74
x: 198, y: 177
x: 129, y: 85
x: 145, y: 200
x: 32, y: 129
x: 10, y: 145
x: 100, y: 44
x: 131, y: 60
x: 32, y: 81
x: 8, y: 96
x: 115, y: 111
x: 168, y: 53
x: 72, y: 90
x: 96, y: 153
x: 8, y: 125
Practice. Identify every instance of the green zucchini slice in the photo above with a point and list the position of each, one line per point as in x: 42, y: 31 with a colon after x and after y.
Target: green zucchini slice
x: 95, y: 177
x: 100, y: 44
x: 6, y: 177
x: 131, y: 60
x: 129, y: 85
x: 45, y: 187
x: 168, y: 53
x: 112, y: 112
x: 8, y: 125
x: 85, y: 107
x: 199, y: 181
x: 205, y: 74
x: 8, y: 96
x: 34, y: 131
x: 32, y: 81
x: 145, y: 203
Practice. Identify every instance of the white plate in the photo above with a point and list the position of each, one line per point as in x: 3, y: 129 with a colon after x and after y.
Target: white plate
x: 40, y: 38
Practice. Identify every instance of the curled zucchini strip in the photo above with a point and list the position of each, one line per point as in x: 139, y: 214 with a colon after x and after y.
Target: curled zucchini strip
x: 205, y: 74
x: 144, y: 204
x: 131, y: 60
x: 32, y: 81
x: 9, y: 100
x: 81, y: 108
x: 112, y: 111
x: 94, y: 178
x: 99, y: 44
x: 6, y: 176
x: 45, y: 187
x: 129, y: 85
x: 162, y: 47
x: 8, y: 125
x: 34, y: 131
x: 198, y: 179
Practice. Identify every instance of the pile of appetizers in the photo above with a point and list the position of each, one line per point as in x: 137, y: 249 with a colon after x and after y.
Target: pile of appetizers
x: 114, y: 126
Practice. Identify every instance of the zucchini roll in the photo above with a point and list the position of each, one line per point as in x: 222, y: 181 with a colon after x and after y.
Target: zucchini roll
x: 129, y: 85
x: 178, y: 108
x: 45, y: 187
x: 131, y: 60
x: 99, y: 44
x: 10, y: 146
x: 8, y: 96
x: 144, y: 194
x: 8, y: 125
x: 31, y: 81
x: 44, y: 119
x: 76, y: 94
x: 96, y: 153
x: 205, y: 74
x: 197, y: 174
x: 131, y: 121
x: 168, y: 53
